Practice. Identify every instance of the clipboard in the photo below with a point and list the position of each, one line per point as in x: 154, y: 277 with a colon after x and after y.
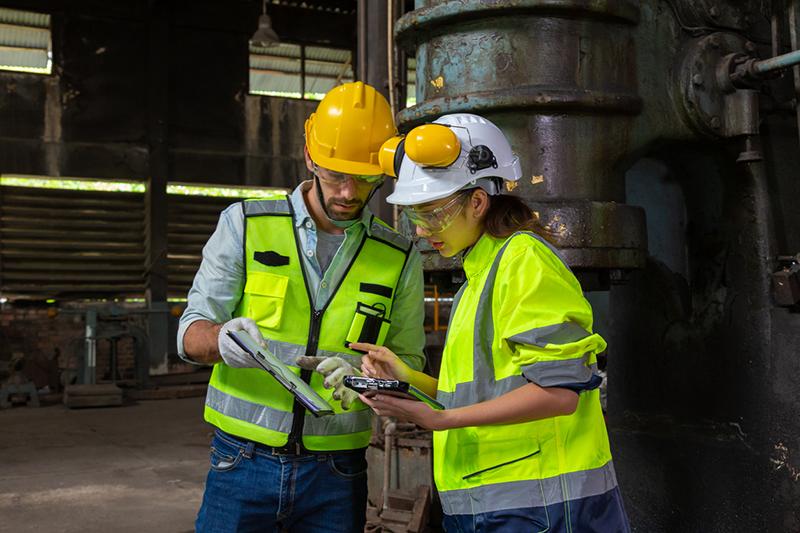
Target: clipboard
x: 301, y: 390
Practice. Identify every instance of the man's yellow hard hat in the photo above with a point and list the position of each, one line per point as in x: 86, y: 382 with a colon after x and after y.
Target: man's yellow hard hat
x: 347, y: 130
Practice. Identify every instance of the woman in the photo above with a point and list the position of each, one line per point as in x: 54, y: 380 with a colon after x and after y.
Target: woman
x: 521, y: 445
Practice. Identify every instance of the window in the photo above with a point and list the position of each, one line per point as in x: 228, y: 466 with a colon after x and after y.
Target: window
x: 298, y: 71
x: 25, y: 44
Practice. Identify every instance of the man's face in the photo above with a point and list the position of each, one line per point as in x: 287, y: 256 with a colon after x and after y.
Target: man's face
x: 344, y: 194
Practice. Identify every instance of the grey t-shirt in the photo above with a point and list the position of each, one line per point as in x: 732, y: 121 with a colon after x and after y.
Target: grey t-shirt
x: 327, y: 245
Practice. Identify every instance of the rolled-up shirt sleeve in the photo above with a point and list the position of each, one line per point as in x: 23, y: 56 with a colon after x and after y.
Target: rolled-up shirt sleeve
x: 546, y: 321
x: 406, y: 336
x: 218, y: 284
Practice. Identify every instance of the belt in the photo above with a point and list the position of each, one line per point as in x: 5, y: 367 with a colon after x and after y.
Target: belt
x: 290, y: 448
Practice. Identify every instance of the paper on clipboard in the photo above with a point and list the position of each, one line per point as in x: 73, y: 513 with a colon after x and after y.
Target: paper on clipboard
x: 301, y: 390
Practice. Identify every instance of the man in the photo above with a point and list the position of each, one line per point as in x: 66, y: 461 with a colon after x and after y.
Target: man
x: 301, y: 275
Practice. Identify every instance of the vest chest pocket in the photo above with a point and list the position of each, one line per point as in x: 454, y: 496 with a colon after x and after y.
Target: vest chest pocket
x: 369, y: 325
x: 266, y: 295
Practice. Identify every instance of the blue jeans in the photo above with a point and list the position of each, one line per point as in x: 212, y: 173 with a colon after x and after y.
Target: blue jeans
x: 603, y: 513
x: 249, y: 489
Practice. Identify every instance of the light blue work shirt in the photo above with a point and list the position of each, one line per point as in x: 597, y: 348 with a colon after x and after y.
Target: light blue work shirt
x: 218, y: 284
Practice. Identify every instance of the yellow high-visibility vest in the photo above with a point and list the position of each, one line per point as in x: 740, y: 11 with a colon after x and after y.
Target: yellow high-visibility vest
x: 248, y: 402
x: 520, y: 317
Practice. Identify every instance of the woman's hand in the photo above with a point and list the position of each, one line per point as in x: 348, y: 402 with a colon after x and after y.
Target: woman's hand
x: 407, y: 411
x: 381, y: 362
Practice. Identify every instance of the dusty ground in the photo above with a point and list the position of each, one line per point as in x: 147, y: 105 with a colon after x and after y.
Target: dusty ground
x: 123, y: 469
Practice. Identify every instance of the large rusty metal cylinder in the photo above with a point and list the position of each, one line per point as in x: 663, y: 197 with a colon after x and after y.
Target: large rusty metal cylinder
x: 559, y: 78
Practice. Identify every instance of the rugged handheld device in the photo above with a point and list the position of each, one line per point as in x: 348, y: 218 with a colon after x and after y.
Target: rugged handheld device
x: 394, y: 387
x: 283, y: 375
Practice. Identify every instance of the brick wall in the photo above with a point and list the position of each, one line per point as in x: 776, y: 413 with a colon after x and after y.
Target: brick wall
x: 51, y: 341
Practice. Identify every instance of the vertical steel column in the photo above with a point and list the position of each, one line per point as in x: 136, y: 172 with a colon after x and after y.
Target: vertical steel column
x: 156, y: 196
x: 560, y: 79
x: 373, y: 69
x: 90, y: 355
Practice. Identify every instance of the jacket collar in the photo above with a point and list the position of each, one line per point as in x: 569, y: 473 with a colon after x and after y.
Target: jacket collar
x: 480, y: 256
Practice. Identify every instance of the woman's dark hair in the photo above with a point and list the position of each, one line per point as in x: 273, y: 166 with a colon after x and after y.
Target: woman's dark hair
x: 509, y: 214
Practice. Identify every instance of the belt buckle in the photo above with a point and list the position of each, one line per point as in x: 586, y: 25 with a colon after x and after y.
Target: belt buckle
x: 290, y: 448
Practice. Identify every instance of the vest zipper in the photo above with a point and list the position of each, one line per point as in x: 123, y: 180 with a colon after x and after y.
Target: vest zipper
x: 298, y: 411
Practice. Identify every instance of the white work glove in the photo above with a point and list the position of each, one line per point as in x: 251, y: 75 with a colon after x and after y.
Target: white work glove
x: 231, y: 353
x: 334, y: 369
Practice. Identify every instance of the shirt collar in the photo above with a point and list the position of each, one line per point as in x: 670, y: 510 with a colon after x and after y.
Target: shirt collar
x: 481, y: 255
x: 301, y: 214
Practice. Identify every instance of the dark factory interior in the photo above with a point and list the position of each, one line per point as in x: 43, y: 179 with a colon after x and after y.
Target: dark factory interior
x: 659, y: 142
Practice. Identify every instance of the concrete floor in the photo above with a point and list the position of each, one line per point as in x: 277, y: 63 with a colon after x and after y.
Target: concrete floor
x: 124, y: 469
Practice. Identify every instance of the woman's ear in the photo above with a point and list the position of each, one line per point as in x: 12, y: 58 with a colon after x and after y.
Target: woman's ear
x: 479, y: 201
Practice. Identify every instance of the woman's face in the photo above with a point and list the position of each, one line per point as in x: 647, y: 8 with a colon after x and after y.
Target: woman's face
x: 451, y: 224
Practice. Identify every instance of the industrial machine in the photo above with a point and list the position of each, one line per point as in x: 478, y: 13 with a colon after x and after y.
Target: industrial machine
x: 660, y: 142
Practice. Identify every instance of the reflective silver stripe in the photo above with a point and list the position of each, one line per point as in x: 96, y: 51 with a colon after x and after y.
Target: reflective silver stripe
x: 266, y: 207
x: 382, y: 232
x: 281, y: 421
x: 562, y: 372
x: 469, y: 393
x: 260, y: 415
x: 339, y: 424
x: 530, y: 493
x: 288, y: 353
x: 483, y: 385
x: 453, y: 307
x: 563, y: 333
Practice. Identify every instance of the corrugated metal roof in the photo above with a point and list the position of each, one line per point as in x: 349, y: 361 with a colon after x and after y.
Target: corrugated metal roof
x: 279, y: 73
x: 21, y: 59
x: 280, y: 50
x: 261, y: 83
x: 334, y: 55
x: 24, y: 18
x: 25, y: 41
x: 347, y: 7
x: 24, y: 36
x: 279, y: 64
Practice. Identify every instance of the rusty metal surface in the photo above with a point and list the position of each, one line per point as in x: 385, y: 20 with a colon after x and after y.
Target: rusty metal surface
x: 595, y: 234
x: 560, y: 79
x: 703, y: 82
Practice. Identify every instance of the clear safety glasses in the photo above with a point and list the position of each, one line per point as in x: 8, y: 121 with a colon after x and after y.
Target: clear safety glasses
x: 438, y: 219
x: 337, y: 179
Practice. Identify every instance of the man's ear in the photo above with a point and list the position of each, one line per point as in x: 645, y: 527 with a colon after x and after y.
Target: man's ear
x: 309, y: 162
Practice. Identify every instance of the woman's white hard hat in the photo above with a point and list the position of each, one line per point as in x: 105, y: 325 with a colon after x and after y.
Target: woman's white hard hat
x: 418, y: 184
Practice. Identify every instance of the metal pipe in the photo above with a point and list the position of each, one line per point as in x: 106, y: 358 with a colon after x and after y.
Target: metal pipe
x: 793, y: 23
x: 389, y: 432
x: 775, y: 26
x: 362, y: 40
x: 777, y: 63
x: 388, y: 443
x: 390, y: 55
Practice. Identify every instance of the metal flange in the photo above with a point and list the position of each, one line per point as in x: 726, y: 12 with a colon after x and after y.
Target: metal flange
x: 703, y: 80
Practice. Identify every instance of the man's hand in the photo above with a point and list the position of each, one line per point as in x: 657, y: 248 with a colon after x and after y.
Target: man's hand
x: 334, y: 369
x: 232, y: 353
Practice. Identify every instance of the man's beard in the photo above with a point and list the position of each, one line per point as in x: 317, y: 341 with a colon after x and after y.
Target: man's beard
x: 357, y: 206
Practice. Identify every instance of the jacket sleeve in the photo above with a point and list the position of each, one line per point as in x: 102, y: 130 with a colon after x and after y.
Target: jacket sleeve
x: 545, y: 320
x: 406, y: 336
x: 217, y: 286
